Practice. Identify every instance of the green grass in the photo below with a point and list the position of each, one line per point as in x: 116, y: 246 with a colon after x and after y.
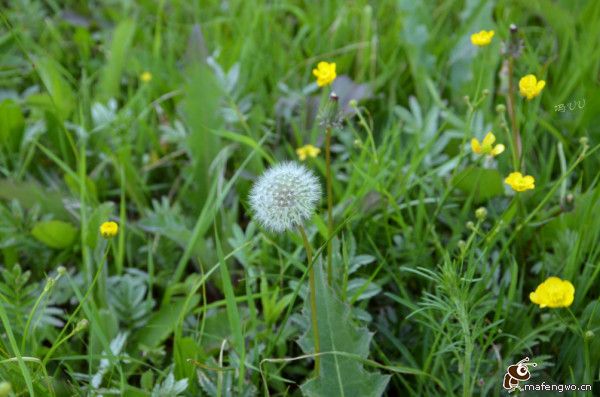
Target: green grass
x: 193, y: 297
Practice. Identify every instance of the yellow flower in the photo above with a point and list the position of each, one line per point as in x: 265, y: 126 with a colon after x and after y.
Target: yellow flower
x: 307, y: 150
x: 486, y: 147
x: 482, y: 38
x: 530, y: 87
x: 109, y: 229
x: 553, y: 293
x: 520, y: 183
x: 146, y: 77
x: 325, y: 73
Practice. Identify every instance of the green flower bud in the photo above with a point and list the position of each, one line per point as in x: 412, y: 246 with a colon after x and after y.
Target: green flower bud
x: 81, y: 325
x: 5, y: 389
x: 49, y: 284
x: 481, y: 213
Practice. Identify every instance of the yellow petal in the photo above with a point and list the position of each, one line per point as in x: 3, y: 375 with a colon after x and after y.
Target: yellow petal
x: 540, y: 85
x: 497, y: 149
x: 489, y: 139
x: 475, y: 146
x: 301, y: 154
x: 534, y: 298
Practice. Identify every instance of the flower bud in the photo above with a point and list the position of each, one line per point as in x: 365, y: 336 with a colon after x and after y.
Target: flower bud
x: 49, y: 284
x: 81, y: 325
x: 570, y: 198
x: 109, y: 229
x: 61, y: 270
x: 500, y: 108
x: 589, y: 334
x: 481, y: 213
x: 461, y: 245
x: 353, y: 103
x: 5, y: 389
x: 470, y: 225
x: 329, y: 115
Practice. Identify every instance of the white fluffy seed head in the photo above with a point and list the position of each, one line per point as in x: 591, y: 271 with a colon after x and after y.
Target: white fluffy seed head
x: 285, y: 196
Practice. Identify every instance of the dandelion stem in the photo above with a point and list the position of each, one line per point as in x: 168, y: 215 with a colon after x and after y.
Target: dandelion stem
x: 313, y: 297
x: 329, y: 204
x: 510, y: 106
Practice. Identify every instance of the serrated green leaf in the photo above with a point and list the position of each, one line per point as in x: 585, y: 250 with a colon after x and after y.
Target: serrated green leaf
x: 339, y: 375
x: 54, y: 233
x: 482, y: 183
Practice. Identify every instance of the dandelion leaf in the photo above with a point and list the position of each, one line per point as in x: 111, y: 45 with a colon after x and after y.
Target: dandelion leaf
x: 340, y: 374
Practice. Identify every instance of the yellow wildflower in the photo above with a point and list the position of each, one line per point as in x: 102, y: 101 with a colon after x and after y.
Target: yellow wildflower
x: 486, y: 147
x: 325, y: 73
x: 109, y: 229
x: 530, y: 87
x: 520, y: 183
x: 307, y: 151
x: 553, y: 293
x: 146, y: 77
x: 482, y: 38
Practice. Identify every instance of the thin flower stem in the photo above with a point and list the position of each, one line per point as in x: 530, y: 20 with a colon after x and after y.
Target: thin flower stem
x: 45, y: 291
x: 60, y: 338
x: 313, y: 296
x: 586, y: 352
x: 329, y: 204
x: 510, y: 106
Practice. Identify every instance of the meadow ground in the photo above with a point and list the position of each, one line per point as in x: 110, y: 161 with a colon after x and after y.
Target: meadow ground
x: 436, y: 234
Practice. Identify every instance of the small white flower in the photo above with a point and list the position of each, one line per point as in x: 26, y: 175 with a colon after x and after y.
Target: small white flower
x: 285, y: 196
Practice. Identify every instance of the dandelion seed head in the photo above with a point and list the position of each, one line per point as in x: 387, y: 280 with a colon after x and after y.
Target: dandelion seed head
x: 285, y: 196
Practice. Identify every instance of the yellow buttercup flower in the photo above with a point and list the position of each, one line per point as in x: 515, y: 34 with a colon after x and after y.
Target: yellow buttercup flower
x: 553, y: 293
x: 325, y: 73
x: 307, y: 151
x: 109, y: 229
x: 486, y: 147
x: 530, y: 87
x: 146, y: 77
x: 482, y: 38
x: 520, y: 183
